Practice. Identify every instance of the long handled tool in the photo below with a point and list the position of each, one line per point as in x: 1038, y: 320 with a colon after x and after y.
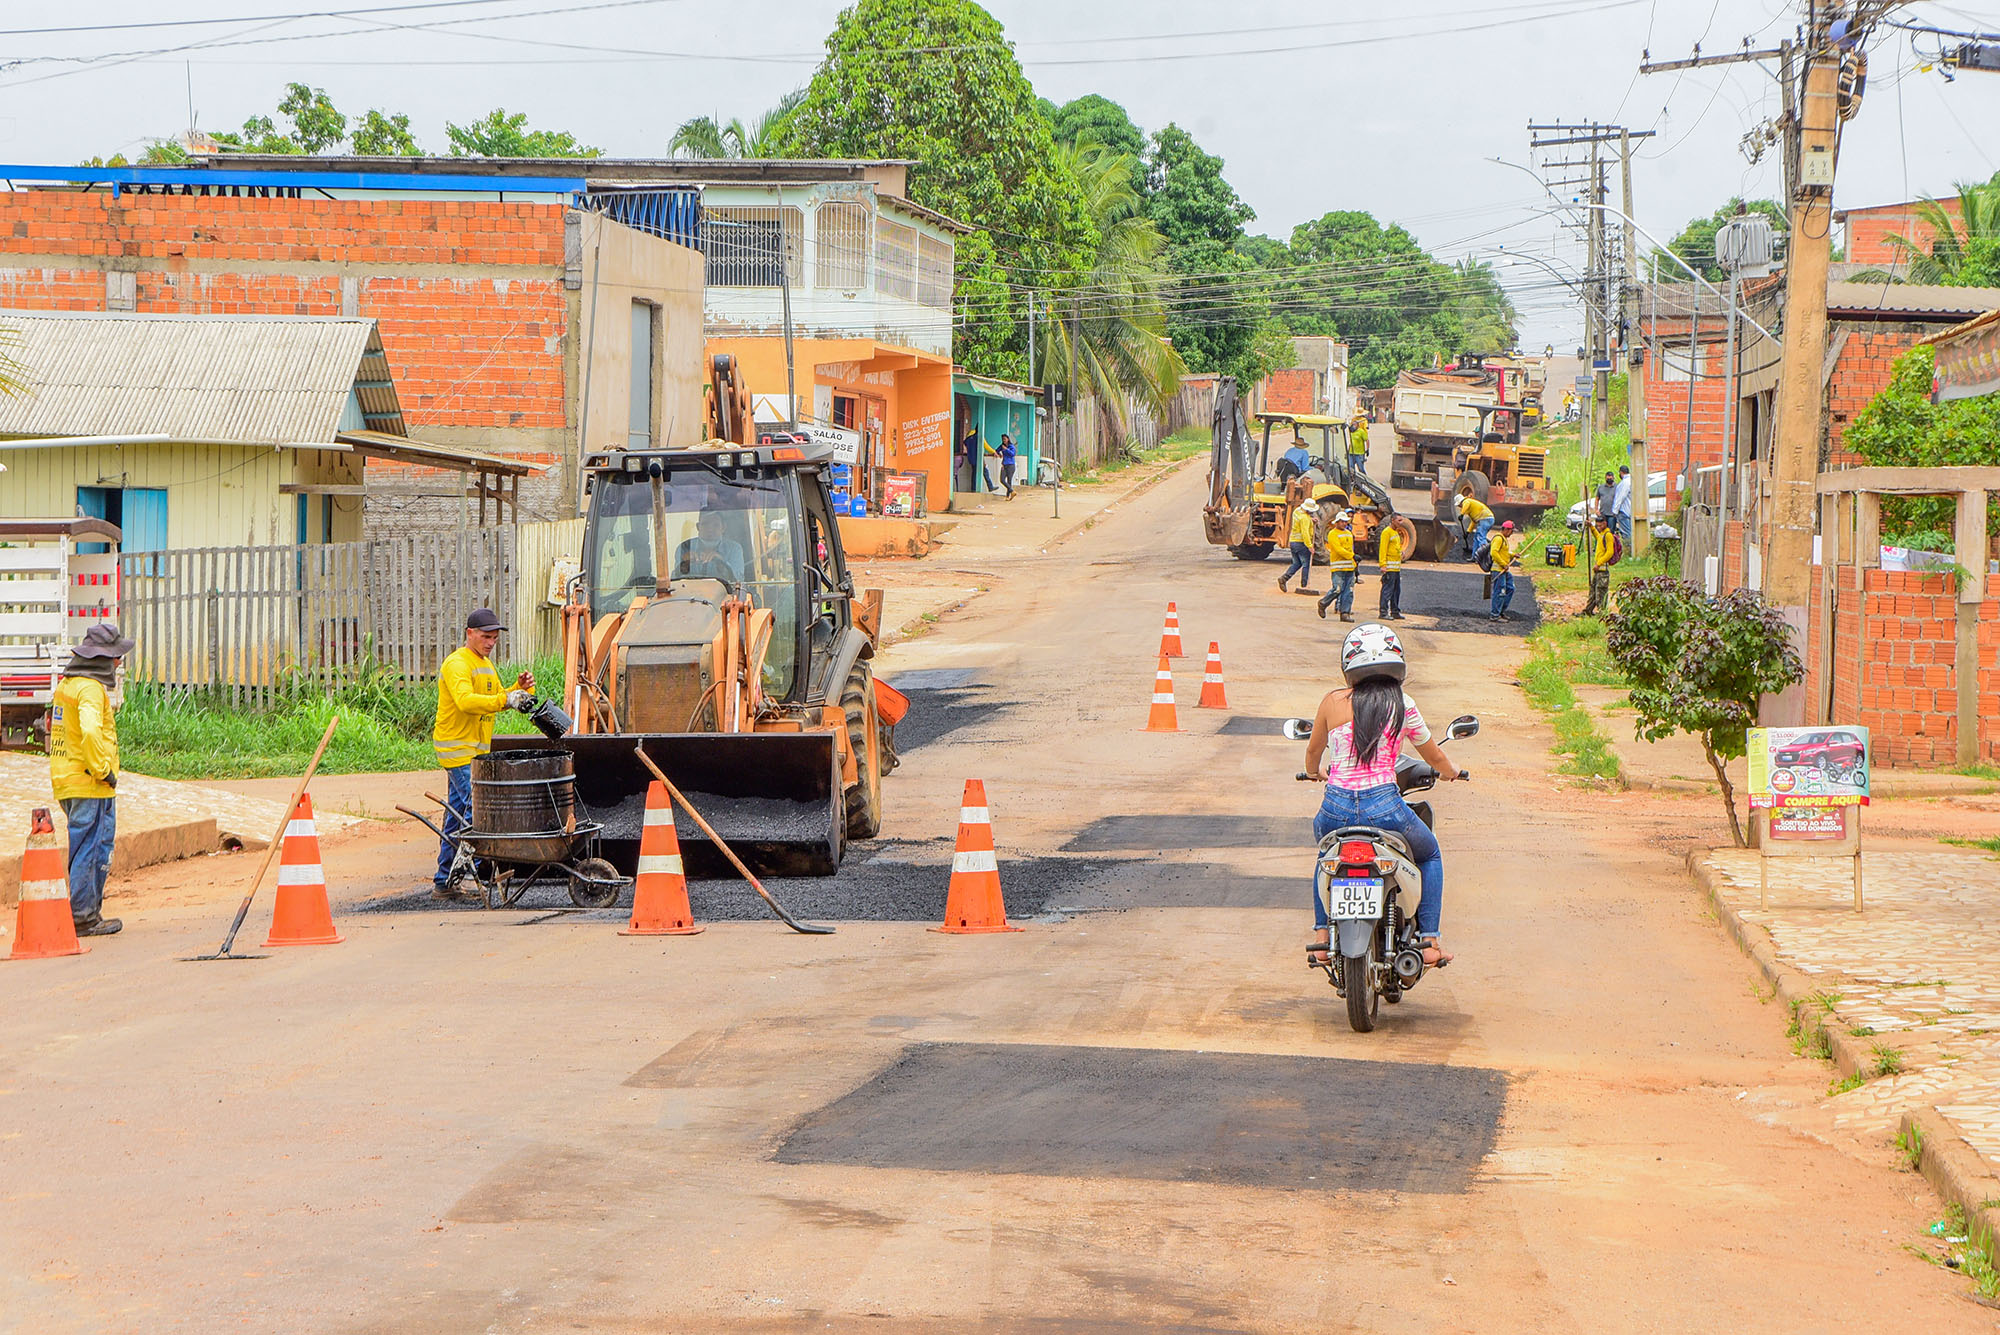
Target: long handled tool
x: 270, y: 851
x: 809, y: 928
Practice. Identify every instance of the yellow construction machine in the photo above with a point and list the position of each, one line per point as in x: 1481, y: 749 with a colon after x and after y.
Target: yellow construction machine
x: 714, y: 623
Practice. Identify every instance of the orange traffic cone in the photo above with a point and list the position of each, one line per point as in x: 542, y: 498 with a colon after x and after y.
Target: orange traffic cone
x: 1212, y: 696
x: 1170, y: 634
x: 301, y: 915
x: 43, y: 927
x: 973, y: 903
x: 1162, y: 718
x: 660, y: 895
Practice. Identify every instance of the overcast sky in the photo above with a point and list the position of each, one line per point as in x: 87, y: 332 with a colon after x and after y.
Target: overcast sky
x: 1314, y: 106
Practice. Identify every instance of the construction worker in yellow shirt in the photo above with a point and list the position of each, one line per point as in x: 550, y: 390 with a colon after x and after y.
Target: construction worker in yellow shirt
x: 1304, y: 518
x: 1475, y: 519
x: 83, y: 770
x: 1340, y: 561
x: 469, y: 696
x: 1389, y: 556
x: 1505, y: 548
x: 1603, y: 550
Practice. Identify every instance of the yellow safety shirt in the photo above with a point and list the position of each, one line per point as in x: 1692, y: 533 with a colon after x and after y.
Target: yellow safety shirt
x: 1302, y: 527
x: 1390, y: 556
x: 1340, y: 549
x: 1601, y: 547
x: 83, y: 739
x: 1357, y: 439
x: 1504, y: 551
x: 469, y: 695
x: 1476, y: 510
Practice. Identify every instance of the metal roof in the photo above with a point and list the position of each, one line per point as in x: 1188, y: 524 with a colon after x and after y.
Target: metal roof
x: 1958, y: 331
x: 1912, y: 299
x: 224, y: 379
x: 396, y: 175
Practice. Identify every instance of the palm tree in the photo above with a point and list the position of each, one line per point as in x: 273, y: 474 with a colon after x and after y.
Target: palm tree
x: 706, y: 137
x: 1484, y: 307
x: 1117, y: 343
x: 1963, y: 251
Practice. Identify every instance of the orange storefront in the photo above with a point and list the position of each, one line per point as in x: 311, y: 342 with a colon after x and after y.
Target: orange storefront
x: 898, y: 398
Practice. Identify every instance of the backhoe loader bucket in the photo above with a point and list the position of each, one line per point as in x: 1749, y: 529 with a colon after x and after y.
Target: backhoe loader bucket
x: 774, y: 797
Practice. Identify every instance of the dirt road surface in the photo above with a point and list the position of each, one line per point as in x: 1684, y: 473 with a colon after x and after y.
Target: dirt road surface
x: 1141, y: 1113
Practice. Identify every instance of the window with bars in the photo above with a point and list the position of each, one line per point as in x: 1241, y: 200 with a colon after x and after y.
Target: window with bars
x: 744, y: 245
x: 840, y: 246
x: 895, y: 260
x: 933, y: 273
x: 1677, y: 360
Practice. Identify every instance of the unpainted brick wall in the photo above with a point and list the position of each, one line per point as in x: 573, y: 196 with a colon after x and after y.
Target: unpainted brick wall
x: 1867, y: 357
x: 1293, y: 390
x: 1667, y: 423
x: 1909, y: 701
x: 1869, y: 230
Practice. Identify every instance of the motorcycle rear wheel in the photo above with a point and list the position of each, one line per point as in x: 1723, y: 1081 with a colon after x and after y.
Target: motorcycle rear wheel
x: 1362, y: 998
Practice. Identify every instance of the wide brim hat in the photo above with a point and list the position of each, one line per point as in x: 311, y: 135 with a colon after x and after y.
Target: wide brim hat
x: 103, y: 641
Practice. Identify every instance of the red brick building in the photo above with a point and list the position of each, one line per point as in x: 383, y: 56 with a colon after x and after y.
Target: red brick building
x: 506, y: 306
x: 1867, y: 231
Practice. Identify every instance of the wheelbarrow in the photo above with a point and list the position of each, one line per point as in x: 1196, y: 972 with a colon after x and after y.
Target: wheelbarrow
x: 503, y: 867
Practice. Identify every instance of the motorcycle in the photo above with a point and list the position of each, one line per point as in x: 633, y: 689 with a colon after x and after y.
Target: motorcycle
x: 1369, y: 886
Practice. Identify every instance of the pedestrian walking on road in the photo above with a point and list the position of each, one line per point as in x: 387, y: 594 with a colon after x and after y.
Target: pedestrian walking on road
x: 1603, y: 553
x: 469, y: 695
x: 1008, y: 455
x: 1357, y: 445
x: 1302, y: 543
x: 1389, y: 555
x: 1621, y: 504
x: 1340, y: 563
x: 1504, y: 548
x: 83, y: 770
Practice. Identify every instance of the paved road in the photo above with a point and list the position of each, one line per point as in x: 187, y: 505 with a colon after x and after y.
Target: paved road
x: 1141, y: 1113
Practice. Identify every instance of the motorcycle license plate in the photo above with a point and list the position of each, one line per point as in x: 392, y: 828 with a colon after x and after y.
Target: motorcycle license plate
x: 1356, y: 898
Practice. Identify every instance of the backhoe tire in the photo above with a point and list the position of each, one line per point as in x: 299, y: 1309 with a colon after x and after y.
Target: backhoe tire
x: 1475, y: 485
x: 1252, y: 551
x: 864, y: 734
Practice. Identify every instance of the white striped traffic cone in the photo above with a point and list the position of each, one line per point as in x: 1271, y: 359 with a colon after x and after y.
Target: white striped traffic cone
x: 1170, y: 634
x: 974, y: 903
x: 1162, y: 717
x: 43, y: 927
x: 1212, y: 694
x: 301, y: 916
x: 660, y: 894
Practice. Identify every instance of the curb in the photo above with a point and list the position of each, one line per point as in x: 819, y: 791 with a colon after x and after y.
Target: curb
x: 1138, y: 489
x: 1955, y: 1170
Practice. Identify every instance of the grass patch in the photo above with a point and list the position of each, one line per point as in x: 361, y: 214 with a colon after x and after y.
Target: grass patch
x: 1809, y: 1036
x: 385, y: 725
x: 1182, y: 444
x: 1845, y: 1083
x: 1910, y: 1141
x: 1861, y: 1031
x: 1560, y: 654
x: 1977, y: 769
x: 1888, y: 1060
x: 1990, y: 845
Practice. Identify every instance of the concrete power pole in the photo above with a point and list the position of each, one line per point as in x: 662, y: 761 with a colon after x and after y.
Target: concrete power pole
x: 1635, y: 366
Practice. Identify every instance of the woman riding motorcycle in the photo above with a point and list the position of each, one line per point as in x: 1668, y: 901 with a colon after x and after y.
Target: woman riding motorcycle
x: 1364, y: 728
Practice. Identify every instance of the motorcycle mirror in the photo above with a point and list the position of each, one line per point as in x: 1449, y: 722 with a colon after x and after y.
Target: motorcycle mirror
x: 1298, y: 729
x: 1465, y: 725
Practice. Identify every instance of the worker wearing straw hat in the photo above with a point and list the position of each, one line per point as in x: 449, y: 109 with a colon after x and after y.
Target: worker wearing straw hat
x: 83, y: 770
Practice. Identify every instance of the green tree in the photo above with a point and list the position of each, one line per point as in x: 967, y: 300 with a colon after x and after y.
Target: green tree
x: 1117, y: 341
x: 1394, y: 304
x: 499, y: 135
x: 1098, y: 118
x: 379, y: 134
x: 936, y: 81
x: 1901, y: 426
x: 311, y: 125
x: 1695, y: 242
x: 1700, y: 665
x: 1484, y: 309
x: 1219, y: 314
x: 706, y: 137
x: 1963, y: 251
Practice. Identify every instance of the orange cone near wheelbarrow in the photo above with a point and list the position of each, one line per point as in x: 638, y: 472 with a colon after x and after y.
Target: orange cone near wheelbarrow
x: 43, y: 927
x: 660, y: 893
x: 301, y: 916
x: 973, y: 903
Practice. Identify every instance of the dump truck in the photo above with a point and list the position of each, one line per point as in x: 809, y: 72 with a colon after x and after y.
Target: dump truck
x: 58, y: 578
x: 713, y: 622
x: 1459, y: 433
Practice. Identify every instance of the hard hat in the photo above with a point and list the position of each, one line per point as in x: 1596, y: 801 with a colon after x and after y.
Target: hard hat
x: 1371, y: 650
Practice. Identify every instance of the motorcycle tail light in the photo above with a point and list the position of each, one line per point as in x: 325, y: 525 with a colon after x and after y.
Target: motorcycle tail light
x: 1358, y: 850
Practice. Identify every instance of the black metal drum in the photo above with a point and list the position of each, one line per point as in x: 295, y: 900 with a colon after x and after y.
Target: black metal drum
x: 524, y: 805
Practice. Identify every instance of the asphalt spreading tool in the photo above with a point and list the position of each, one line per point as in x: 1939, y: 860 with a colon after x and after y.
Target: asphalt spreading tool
x: 808, y: 928
x: 270, y: 851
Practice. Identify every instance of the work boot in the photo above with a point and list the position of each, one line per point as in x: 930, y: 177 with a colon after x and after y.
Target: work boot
x: 1281, y: 583
x: 1347, y: 616
x: 1321, y: 609
x: 99, y: 926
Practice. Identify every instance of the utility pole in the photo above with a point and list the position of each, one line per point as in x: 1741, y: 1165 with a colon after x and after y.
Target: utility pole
x: 1635, y: 366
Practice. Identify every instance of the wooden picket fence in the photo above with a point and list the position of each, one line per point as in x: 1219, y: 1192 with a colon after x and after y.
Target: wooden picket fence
x: 256, y: 620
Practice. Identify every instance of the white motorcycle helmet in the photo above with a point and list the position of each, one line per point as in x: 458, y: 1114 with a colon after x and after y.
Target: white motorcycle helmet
x: 1371, y: 650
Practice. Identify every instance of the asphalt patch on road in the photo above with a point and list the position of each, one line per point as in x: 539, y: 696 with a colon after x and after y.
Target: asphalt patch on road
x: 1147, y: 833
x: 938, y: 713
x: 1452, y: 594
x: 1247, y: 1119
x: 1244, y: 725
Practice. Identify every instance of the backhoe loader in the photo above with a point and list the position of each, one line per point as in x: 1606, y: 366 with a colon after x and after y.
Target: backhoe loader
x: 714, y: 623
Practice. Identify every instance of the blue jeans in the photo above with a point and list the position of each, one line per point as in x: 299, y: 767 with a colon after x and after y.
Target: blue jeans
x: 1359, y: 463
x: 93, y: 830
x: 1503, y: 590
x: 1302, y: 565
x: 457, y: 815
x: 1479, y: 534
x: 1625, y: 528
x: 1342, y: 592
x: 1383, y: 808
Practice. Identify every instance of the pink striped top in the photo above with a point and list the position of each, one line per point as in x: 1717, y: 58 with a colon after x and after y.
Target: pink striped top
x: 1344, y: 771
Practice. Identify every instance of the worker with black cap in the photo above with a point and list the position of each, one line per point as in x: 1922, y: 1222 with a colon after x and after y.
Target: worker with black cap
x: 469, y: 695
x: 83, y: 770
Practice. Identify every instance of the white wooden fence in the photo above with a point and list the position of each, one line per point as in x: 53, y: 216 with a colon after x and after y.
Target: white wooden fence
x: 253, y: 619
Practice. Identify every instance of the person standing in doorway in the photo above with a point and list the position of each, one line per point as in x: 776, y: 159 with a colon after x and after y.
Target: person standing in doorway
x: 968, y: 457
x: 83, y: 770
x: 1008, y: 456
x: 469, y: 695
x: 1389, y: 555
x: 1340, y: 562
x: 1304, y: 519
x: 1504, y: 548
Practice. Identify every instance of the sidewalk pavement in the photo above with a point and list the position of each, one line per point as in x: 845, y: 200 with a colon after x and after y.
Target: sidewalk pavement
x: 159, y: 820
x: 990, y: 536
x: 1907, y: 992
